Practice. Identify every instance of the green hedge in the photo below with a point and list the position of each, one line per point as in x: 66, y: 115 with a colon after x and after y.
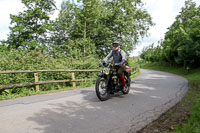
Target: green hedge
x: 36, y: 60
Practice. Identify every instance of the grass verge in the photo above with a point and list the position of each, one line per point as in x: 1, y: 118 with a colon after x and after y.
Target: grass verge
x: 31, y: 91
x: 185, y: 116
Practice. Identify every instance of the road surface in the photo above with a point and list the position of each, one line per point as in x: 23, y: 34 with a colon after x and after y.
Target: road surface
x: 80, y: 111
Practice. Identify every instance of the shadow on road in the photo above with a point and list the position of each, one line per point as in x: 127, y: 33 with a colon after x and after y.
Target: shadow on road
x: 81, y: 113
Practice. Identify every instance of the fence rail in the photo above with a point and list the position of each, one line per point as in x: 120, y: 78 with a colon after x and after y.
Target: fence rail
x: 37, y: 71
x: 37, y: 82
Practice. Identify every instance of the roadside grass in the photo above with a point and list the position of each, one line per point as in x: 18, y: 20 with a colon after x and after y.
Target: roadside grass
x: 31, y: 91
x: 135, y: 66
x: 185, y: 116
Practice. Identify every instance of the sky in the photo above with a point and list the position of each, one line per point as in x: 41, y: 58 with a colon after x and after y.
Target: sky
x: 163, y: 13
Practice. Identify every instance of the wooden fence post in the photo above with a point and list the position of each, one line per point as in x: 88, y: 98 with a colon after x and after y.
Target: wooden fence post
x: 73, y: 78
x: 36, y: 80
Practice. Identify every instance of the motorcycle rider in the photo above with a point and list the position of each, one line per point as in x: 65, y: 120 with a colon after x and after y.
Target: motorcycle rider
x: 119, y: 57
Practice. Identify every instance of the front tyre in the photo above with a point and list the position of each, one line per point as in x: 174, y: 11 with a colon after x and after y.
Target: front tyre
x: 101, y: 89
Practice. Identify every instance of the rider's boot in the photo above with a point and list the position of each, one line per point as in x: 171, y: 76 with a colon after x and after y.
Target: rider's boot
x: 123, y: 81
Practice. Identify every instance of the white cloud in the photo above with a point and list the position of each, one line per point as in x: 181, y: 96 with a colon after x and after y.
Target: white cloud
x: 56, y: 12
x: 8, y: 7
x: 163, y: 16
x: 139, y: 48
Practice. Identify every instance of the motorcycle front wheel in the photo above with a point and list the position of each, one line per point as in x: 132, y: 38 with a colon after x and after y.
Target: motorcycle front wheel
x: 101, y: 89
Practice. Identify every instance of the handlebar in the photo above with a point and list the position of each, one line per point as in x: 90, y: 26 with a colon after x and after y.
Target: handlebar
x: 106, y: 64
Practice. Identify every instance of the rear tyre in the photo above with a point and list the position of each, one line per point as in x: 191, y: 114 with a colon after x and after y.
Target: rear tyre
x: 101, y: 89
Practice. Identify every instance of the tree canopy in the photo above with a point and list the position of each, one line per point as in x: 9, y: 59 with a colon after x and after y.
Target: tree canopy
x: 181, y: 44
x: 81, y: 29
x: 92, y: 25
x: 29, y: 29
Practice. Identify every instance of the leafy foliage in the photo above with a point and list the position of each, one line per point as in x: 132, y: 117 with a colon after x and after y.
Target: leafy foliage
x: 36, y: 60
x: 82, y: 29
x: 181, y: 45
x: 99, y: 23
x: 82, y: 32
x: 29, y: 29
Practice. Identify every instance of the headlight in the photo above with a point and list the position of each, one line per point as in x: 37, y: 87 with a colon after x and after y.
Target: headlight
x: 107, y: 72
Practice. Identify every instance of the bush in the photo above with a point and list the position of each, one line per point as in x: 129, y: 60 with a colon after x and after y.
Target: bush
x: 36, y: 60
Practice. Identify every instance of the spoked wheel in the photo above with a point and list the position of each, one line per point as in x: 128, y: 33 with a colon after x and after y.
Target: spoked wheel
x: 127, y: 87
x: 101, y: 89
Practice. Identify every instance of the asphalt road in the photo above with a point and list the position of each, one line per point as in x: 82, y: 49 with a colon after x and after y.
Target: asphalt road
x: 80, y: 111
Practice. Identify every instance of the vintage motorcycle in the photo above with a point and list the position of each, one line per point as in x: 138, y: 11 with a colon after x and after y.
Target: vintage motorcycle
x: 108, y: 81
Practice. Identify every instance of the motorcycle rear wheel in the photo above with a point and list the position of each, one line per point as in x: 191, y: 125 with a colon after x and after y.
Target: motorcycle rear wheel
x: 101, y: 89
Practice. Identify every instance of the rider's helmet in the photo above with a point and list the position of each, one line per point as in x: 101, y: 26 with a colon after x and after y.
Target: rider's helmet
x: 115, y: 44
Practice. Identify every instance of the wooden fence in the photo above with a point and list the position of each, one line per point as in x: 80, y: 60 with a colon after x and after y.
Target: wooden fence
x: 37, y: 82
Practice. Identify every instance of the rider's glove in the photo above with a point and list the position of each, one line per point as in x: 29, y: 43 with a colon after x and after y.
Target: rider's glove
x: 102, y: 63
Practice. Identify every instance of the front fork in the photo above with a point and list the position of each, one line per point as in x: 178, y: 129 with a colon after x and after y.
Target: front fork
x: 107, y: 78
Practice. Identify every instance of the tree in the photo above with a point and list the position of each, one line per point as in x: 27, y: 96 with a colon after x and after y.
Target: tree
x: 182, y: 39
x: 101, y: 22
x: 181, y: 45
x: 128, y: 21
x: 30, y: 28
